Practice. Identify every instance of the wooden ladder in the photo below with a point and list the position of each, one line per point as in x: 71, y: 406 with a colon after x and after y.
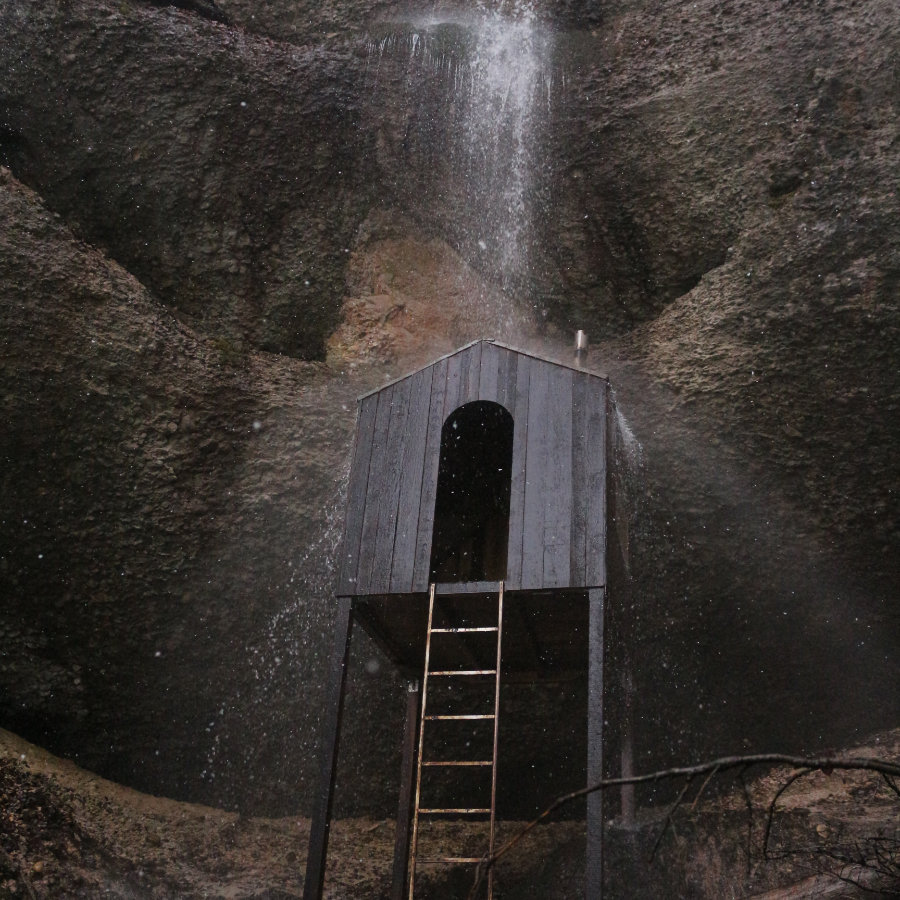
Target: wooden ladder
x: 426, y: 716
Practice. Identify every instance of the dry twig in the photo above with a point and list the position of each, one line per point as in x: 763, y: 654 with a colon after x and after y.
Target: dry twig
x: 806, y: 765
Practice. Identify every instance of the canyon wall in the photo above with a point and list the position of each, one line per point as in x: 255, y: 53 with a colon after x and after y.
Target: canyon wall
x: 222, y: 223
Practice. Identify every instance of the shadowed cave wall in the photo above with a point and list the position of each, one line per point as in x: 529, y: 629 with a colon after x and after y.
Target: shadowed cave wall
x: 215, y: 236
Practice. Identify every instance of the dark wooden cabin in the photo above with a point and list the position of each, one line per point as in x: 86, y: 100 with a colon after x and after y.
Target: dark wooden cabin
x: 555, y: 417
x: 488, y: 466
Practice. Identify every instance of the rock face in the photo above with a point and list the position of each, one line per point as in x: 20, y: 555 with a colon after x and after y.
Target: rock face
x: 167, y: 496
x: 197, y: 215
x: 159, y: 140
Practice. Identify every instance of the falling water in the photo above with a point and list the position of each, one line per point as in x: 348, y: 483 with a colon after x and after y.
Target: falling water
x: 493, y: 67
x: 281, y: 659
x: 496, y: 74
x: 508, y: 67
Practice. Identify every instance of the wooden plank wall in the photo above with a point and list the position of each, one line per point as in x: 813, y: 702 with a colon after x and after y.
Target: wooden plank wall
x: 557, y: 503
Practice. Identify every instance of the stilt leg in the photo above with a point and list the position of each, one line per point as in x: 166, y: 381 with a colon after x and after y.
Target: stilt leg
x: 627, y: 742
x: 331, y: 728
x: 407, y: 776
x: 594, y: 868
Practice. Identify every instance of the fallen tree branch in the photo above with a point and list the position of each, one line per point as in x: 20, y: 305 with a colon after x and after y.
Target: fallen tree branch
x: 670, y: 815
x: 770, y: 812
x: 807, y: 765
x: 703, y: 787
x: 890, y: 783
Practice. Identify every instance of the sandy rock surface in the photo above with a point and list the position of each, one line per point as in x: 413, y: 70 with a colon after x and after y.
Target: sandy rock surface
x: 215, y: 235
x: 65, y: 832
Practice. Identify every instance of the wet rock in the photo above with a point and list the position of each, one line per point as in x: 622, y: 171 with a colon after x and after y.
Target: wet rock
x: 208, y: 206
x: 205, y: 8
x: 133, y: 533
x: 228, y: 192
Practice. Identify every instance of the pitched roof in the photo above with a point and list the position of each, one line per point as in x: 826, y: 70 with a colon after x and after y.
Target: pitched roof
x: 543, y: 359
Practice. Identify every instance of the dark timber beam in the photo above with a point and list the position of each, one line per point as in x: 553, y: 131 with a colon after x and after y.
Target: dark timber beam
x: 314, y: 881
x: 594, y: 863
x: 407, y: 776
x: 628, y: 808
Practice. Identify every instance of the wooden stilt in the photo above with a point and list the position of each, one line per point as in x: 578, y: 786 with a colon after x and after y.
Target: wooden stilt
x: 331, y: 728
x: 407, y: 778
x: 594, y: 868
x: 627, y: 742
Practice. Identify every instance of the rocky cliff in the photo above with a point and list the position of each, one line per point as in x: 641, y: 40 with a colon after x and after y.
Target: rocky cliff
x: 218, y: 229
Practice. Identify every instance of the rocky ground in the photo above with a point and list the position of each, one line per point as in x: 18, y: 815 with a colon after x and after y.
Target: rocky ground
x: 217, y: 230
x: 830, y: 835
x: 67, y: 833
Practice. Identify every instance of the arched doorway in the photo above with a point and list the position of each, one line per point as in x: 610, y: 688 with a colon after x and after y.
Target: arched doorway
x: 471, y: 513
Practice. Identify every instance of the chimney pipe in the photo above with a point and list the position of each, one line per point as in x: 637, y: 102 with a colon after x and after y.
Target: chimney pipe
x: 581, y: 345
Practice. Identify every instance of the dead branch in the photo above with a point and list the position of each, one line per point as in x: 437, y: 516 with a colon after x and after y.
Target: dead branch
x: 807, y: 765
x: 865, y: 865
x: 770, y: 812
x: 670, y: 815
x: 703, y: 787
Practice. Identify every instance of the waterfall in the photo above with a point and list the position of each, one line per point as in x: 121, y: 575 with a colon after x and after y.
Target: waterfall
x: 494, y: 69
x: 508, y: 66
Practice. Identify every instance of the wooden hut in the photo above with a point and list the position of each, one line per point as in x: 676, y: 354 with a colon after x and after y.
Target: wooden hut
x: 477, y: 479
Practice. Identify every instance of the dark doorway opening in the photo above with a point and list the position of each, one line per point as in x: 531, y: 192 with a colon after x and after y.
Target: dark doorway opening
x: 471, y: 513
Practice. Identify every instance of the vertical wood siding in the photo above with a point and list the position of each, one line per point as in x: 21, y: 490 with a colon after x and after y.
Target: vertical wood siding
x: 412, y: 467
x: 430, y: 476
x: 521, y: 395
x: 557, y: 527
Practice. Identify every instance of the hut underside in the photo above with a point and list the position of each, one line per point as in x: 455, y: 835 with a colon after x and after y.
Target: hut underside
x: 545, y: 633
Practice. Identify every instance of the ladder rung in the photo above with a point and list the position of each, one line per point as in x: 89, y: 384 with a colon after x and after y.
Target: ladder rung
x: 484, y: 816
x: 460, y: 762
x: 459, y: 812
x: 480, y: 716
x: 465, y: 672
x: 460, y: 630
x: 449, y: 860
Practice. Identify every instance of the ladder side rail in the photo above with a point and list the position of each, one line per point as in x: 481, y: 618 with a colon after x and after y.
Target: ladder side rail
x: 490, y: 885
x: 415, y: 830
